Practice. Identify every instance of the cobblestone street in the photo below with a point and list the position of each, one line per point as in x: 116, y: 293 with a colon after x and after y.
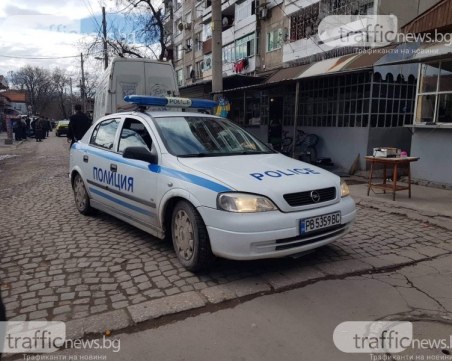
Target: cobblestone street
x: 56, y: 264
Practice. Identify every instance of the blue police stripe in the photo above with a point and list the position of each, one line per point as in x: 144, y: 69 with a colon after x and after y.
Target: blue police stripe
x: 122, y: 203
x: 190, y: 178
x: 187, y: 177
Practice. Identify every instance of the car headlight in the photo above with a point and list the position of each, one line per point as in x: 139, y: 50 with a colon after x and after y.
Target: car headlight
x: 244, y: 203
x: 345, y: 191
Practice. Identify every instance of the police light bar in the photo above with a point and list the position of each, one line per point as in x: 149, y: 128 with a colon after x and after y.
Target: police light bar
x: 148, y: 100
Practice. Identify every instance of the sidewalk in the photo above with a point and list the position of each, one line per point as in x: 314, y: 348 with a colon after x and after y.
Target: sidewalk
x: 428, y: 204
x: 4, y: 136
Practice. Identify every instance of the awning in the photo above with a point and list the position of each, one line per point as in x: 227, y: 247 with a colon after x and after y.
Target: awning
x: 286, y: 74
x: 328, y: 66
x: 437, y: 17
x: 230, y: 83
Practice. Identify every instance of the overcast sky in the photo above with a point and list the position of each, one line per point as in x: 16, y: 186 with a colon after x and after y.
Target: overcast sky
x: 47, y: 29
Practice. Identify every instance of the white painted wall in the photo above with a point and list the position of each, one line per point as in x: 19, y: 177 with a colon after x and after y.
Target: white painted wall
x: 434, y: 147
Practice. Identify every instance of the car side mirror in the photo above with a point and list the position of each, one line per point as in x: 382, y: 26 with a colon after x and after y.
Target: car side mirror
x: 140, y: 153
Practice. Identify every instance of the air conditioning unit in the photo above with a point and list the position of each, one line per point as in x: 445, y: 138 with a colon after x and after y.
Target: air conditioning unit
x: 263, y: 13
x: 187, y: 26
x: 180, y: 26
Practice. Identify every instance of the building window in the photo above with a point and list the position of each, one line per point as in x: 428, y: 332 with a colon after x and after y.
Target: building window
x: 178, y: 4
x: 178, y: 27
x: 304, y: 23
x: 206, y: 31
x: 244, y: 47
x: 188, y: 18
x: 198, y: 69
x: 180, y: 77
x: 228, y: 53
x: 189, y: 44
x: 179, y: 52
x: 244, y: 10
x: 274, y: 40
x: 199, y: 10
x: 189, y: 72
x: 207, y: 63
x: 350, y: 7
x: 198, y: 41
x: 358, y: 100
x: 434, y: 101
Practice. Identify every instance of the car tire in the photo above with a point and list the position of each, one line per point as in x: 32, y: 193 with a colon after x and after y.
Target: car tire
x: 190, y: 238
x: 81, y: 197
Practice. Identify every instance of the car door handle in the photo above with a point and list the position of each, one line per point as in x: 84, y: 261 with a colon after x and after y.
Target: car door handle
x: 113, y: 167
x: 85, y: 158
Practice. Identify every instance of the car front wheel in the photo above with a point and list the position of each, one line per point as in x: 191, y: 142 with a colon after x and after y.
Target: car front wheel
x: 190, y: 238
x: 81, y: 196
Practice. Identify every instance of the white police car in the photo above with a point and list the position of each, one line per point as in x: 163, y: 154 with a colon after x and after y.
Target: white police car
x: 206, y: 184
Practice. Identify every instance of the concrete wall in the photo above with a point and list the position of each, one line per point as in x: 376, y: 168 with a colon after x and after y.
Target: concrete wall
x: 273, y: 59
x: 405, y: 10
x: 434, y: 147
x: 342, y: 145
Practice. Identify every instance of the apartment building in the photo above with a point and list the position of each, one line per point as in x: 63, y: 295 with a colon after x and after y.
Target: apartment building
x: 276, y: 68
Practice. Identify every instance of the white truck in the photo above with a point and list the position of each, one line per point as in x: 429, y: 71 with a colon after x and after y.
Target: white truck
x: 125, y: 76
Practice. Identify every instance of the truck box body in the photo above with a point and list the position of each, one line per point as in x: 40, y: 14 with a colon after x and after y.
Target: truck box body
x: 126, y: 76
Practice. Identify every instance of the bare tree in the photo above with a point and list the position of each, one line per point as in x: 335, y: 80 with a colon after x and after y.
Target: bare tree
x: 60, y: 84
x: 152, y: 25
x: 37, y: 82
x: 141, y: 18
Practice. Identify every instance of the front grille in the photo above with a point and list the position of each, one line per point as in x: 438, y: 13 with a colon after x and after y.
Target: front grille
x: 305, y: 198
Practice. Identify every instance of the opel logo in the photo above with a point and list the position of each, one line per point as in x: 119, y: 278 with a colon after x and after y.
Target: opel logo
x: 315, y: 196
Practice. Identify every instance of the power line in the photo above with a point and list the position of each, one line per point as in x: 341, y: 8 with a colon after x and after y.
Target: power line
x: 91, y: 12
x: 45, y: 57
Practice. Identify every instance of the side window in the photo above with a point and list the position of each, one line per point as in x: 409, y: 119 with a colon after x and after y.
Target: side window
x: 134, y: 134
x: 104, y: 134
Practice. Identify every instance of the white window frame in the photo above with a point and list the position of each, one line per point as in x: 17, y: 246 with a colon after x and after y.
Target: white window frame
x: 272, y: 43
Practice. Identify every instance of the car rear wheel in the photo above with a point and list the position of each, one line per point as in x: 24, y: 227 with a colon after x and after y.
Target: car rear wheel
x: 190, y: 238
x: 81, y: 196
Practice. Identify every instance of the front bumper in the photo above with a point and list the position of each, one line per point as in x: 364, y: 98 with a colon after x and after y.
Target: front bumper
x: 271, y: 234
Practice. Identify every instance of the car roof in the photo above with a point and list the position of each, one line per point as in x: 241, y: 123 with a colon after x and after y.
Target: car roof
x: 159, y: 114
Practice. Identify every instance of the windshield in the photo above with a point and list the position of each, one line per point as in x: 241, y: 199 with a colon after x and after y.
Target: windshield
x: 192, y: 136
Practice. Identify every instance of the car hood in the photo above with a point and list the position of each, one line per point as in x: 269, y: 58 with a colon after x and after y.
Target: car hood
x: 272, y: 175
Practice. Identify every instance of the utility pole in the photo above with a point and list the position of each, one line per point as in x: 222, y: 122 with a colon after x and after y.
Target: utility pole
x: 104, y: 29
x: 217, y: 64
x: 82, y: 85
x: 72, y: 96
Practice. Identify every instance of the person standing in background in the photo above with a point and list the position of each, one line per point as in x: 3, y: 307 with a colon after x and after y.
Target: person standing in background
x: 40, y: 129
x: 79, y: 123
